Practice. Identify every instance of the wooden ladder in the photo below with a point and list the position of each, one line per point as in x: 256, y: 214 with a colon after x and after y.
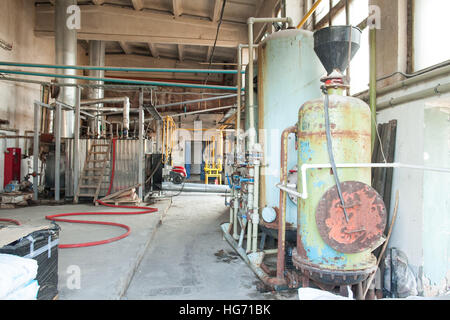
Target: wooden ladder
x: 88, y: 183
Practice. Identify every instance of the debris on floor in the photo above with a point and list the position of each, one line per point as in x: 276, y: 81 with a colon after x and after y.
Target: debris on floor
x: 226, y: 256
x: 11, y: 200
x: 125, y: 196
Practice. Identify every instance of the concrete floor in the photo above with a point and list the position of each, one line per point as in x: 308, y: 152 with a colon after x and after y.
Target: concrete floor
x: 184, y: 257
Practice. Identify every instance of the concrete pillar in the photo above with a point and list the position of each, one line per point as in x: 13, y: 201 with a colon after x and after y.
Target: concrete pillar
x: 66, y: 54
x: 96, y: 58
x: 295, y: 10
x: 391, y: 39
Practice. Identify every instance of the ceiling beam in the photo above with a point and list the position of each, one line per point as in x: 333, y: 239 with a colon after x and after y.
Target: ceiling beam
x: 120, y: 24
x: 153, y: 50
x: 97, y: 2
x: 180, y: 52
x: 209, y: 53
x: 177, y: 9
x: 125, y: 47
x: 216, y: 11
x: 138, y: 4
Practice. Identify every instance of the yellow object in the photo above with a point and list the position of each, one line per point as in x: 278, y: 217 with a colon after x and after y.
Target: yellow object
x: 306, y: 17
x: 213, y: 166
x: 169, y: 128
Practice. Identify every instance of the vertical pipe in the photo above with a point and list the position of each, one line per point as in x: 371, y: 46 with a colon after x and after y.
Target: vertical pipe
x: 282, y: 204
x: 141, y: 144
x: 57, y: 150
x: 76, y: 144
x: 255, y: 214
x: 36, y: 151
x: 158, y: 136
x: 235, y: 214
x: 373, y: 82
x: 96, y: 58
x: 239, y: 100
x: 65, y: 54
x: 250, y: 200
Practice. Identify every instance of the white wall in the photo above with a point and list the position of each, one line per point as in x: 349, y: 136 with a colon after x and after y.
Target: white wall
x: 422, y: 227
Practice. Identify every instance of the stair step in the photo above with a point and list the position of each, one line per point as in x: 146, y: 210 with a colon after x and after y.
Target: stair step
x: 100, y: 145
x: 103, y: 160
x: 94, y: 169
x: 92, y: 177
x: 102, y: 152
x: 86, y: 195
x: 87, y: 186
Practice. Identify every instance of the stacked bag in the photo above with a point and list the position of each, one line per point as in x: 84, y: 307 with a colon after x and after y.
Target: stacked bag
x: 18, y: 278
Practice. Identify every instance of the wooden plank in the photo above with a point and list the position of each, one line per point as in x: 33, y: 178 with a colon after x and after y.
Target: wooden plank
x: 115, y: 194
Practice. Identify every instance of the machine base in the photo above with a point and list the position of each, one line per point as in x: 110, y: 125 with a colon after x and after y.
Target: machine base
x: 330, y: 277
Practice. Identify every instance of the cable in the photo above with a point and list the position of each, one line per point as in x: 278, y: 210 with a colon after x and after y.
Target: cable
x: 330, y: 151
x: 215, y: 41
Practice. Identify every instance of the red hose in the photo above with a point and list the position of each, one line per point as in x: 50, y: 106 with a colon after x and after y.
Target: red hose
x: 113, y: 167
x: 10, y: 220
x: 96, y: 243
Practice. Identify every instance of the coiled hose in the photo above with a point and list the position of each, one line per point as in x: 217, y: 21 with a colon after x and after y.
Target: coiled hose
x: 57, y: 217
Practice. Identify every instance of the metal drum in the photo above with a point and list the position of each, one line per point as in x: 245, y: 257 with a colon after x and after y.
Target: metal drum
x: 288, y: 75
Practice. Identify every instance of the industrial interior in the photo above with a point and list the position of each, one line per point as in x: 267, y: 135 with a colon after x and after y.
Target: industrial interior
x: 224, y: 150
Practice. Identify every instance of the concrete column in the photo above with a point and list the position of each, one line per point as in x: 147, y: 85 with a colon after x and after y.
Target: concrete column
x: 391, y: 39
x: 66, y: 54
x: 96, y: 58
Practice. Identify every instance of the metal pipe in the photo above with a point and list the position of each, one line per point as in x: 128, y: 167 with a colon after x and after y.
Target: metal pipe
x: 125, y: 109
x: 202, y: 111
x: 57, y: 131
x: 250, y: 200
x: 195, y: 187
x: 36, y: 129
x: 305, y: 167
x: 101, y: 67
x: 116, y: 80
x: 443, y: 71
x: 308, y: 15
x: 96, y: 58
x: 76, y: 144
x: 66, y: 54
x: 195, y: 101
x: 235, y: 214
x: 425, y: 93
x: 141, y: 142
x: 373, y: 83
x: 282, y: 202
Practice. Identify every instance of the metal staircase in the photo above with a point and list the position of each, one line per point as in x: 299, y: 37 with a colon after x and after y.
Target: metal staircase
x: 91, y: 178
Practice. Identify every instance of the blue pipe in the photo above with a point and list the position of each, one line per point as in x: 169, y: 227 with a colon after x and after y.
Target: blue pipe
x: 113, y: 80
x: 53, y: 66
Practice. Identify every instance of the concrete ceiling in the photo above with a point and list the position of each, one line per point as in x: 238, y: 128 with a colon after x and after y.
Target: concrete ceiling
x: 182, y: 30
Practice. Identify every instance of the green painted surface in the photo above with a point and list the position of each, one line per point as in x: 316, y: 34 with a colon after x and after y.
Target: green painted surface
x: 351, y: 133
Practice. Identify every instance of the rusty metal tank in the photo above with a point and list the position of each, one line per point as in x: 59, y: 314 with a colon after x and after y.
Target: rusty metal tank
x: 289, y: 74
x: 333, y: 248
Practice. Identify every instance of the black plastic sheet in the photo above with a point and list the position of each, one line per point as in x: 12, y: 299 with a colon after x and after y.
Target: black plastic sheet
x: 42, y: 246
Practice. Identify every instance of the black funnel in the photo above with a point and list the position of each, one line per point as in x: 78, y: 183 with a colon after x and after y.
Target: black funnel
x: 332, y: 46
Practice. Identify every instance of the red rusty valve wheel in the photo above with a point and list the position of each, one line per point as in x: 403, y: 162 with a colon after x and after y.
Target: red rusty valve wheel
x: 367, y: 217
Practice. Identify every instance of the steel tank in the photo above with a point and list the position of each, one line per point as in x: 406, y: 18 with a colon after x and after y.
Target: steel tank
x: 334, y: 245
x: 289, y: 74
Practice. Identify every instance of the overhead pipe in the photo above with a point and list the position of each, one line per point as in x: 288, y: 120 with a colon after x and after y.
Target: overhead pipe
x: 195, y: 101
x: 122, y: 69
x: 125, y: 109
x: 425, y: 93
x: 115, y: 80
